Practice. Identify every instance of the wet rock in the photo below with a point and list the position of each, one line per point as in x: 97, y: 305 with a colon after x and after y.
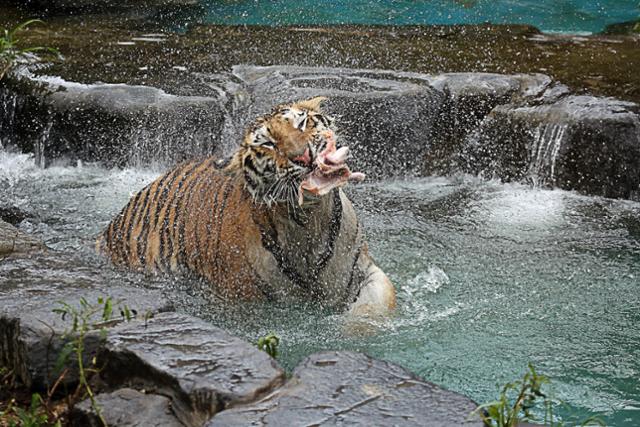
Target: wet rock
x: 201, y: 367
x: 12, y: 214
x: 116, y: 124
x: 383, y: 116
x: 31, y: 333
x: 469, y: 98
x: 344, y: 388
x: 126, y: 408
x: 581, y: 143
x: 13, y: 240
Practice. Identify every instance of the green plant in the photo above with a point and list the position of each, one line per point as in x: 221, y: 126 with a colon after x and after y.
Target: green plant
x: 528, y: 392
x: 82, y: 322
x: 33, y: 416
x: 9, y: 50
x: 269, y: 344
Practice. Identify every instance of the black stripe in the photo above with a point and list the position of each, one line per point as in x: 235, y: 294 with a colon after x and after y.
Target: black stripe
x: 165, y: 224
x: 334, y: 231
x: 219, y: 215
x: 353, y: 269
x: 269, y: 237
x: 131, y: 223
x: 182, y: 222
x: 143, y: 239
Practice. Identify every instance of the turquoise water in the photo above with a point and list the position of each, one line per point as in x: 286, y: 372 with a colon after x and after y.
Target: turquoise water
x: 489, y: 278
x: 574, y: 16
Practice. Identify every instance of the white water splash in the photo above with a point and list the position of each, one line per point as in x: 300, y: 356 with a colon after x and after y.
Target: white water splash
x: 547, y: 141
x: 431, y: 280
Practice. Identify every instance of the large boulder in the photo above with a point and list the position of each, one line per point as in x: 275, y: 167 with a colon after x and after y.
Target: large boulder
x: 32, y: 335
x: 115, y: 124
x: 201, y: 367
x: 383, y: 116
x: 581, y: 143
x: 344, y: 388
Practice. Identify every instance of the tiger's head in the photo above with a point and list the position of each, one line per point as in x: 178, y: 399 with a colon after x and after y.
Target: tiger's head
x: 279, y: 150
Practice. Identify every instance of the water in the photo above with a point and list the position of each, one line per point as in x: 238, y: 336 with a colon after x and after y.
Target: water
x: 489, y: 277
x: 570, y: 16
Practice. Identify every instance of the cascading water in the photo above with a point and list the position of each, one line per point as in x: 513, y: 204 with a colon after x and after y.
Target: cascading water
x: 544, y: 149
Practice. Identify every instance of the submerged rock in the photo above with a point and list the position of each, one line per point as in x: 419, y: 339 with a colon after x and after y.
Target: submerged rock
x: 344, y: 388
x: 126, y: 408
x: 201, y: 367
x: 13, y: 240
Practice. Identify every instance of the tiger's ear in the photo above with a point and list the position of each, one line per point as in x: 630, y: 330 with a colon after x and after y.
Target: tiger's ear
x: 311, y: 104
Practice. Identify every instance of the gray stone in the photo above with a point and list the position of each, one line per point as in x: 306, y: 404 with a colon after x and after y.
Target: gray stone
x: 126, y: 408
x: 13, y: 240
x: 116, y: 124
x: 384, y: 117
x: 12, y: 214
x: 470, y: 97
x: 344, y: 388
x: 31, y: 333
x: 201, y: 367
x: 581, y: 143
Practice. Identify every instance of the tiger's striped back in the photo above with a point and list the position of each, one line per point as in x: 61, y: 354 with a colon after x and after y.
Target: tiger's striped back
x: 179, y: 223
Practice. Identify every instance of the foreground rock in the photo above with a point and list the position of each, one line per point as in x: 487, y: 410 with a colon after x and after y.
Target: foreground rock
x: 203, y: 368
x: 343, y: 388
x: 13, y: 240
x: 31, y: 333
x: 127, y: 408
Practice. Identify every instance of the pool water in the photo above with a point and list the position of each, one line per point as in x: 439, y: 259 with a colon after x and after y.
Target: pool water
x: 489, y: 277
x: 569, y: 16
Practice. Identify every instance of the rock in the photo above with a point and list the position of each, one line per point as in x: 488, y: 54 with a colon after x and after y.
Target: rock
x: 469, y: 98
x: 31, y: 333
x: 383, y: 116
x: 116, y: 124
x: 12, y: 214
x: 344, y: 388
x: 582, y: 143
x: 201, y: 367
x: 13, y: 240
x: 126, y: 408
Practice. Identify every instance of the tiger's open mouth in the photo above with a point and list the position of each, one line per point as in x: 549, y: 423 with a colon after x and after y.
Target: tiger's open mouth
x: 329, y: 171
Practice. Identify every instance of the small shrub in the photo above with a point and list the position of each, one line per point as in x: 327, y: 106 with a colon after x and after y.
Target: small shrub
x: 528, y: 394
x: 269, y: 344
x: 9, y: 50
x: 82, y: 322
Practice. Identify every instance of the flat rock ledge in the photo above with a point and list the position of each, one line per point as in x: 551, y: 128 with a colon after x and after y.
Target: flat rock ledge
x: 204, y: 369
x: 517, y: 127
x: 345, y: 388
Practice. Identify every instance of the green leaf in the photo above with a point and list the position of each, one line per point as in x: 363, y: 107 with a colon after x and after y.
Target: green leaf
x: 63, y: 357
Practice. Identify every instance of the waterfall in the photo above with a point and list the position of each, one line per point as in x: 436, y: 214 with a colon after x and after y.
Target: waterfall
x: 543, y: 153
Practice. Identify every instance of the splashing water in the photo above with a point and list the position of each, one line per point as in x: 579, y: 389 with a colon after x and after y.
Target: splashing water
x: 489, y: 277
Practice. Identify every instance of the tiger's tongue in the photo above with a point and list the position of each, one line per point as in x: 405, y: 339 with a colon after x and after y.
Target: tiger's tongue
x: 330, y: 172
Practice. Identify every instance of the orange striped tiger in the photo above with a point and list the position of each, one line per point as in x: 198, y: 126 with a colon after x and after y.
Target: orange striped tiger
x: 269, y: 223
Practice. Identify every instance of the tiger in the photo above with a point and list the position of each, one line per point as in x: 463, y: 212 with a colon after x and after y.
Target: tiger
x: 270, y: 222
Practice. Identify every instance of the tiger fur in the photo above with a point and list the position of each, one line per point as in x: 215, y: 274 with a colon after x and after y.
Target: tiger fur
x: 238, y: 225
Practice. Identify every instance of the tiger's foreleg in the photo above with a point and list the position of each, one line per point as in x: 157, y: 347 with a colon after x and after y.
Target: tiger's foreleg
x: 377, y: 295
